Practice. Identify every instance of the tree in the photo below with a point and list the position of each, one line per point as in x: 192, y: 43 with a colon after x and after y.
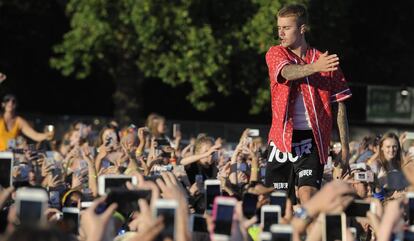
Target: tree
x: 210, y: 46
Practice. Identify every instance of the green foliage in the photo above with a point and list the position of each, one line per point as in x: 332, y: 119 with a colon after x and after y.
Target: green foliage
x: 211, y: 46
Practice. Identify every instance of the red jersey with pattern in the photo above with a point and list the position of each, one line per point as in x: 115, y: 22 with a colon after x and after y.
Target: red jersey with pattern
x: 319, y: 91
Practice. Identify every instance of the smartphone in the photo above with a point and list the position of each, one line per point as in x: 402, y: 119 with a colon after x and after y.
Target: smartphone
x: 199, y: 178
x: 279, y: 198
x: 269, y: 215
x: 85, y: 205
x: 50, y: 128
x: 242, y: 167
x: 31, y: 203
x: 254, y: 132
x: 223, y: 210
x: 358, y: 166
x: 263, y: 172
x: 334, y: 227
x: 50, y: 155
x: 198, y: 223
x: 11, y: 144
x: 176, y: 128
x: 108, y: 141
x: 167, y: 209
x: 409, y: 234
x: 281, y: 232
x: 106, y: 182
x: 410, y: 208
x: 353, y: 232
x: 127, y: 200
x: 265, y: 236
x: 358, y: 208
x: 161, y: 143
x: 410, y: 136
x: 6, y: 166
x: 249, y: 205
x: 54, y: 199
x: 212, y: 190
x: 360, y: 176
x: 71, y: 219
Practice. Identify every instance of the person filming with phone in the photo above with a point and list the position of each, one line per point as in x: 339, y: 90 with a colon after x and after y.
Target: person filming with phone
x: 11, y: 125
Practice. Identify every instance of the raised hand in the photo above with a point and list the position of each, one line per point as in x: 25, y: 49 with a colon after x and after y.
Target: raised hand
x: 94, y: 225
x: 326, y: 63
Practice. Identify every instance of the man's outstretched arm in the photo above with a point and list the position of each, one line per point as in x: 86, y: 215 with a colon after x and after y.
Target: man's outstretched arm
x: 342, y: 120
x: 325, y: 63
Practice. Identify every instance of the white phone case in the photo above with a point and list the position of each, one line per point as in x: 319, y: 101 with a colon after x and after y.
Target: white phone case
x: 32, y: 195
x: 101, y: 181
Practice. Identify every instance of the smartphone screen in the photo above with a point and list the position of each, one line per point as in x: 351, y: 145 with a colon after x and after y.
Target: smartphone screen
x: 212, y: 191
x: 249, y: 204
x: 333, y: 227
x: 282, y: 236
x: 30, y: 212
x: 411, y: 211
x: 224, y: 219
x: 270, y: 218
x: 279, y: 200
x: 263, y: 172
x: 5, y: 170
x: 72, y: 221
x: 116, y: 182
x: 357, y: 209
x: 168, y: 214
x: 54, y: 198
x: 176, y: 128
x: 408, y: 236
x: 199, y: 224
x: 127, y: 200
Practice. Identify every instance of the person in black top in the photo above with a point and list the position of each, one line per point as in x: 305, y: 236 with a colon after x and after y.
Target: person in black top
x: 204, y: 161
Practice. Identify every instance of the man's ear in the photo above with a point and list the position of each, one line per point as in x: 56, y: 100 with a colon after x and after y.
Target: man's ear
x: 303, y: 28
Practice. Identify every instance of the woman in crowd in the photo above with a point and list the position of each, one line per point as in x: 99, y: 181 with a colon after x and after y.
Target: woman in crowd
x: 390, y: 158
x: 11, y: 124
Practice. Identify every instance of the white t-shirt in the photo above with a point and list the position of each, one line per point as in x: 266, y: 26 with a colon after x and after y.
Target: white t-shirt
x: 301, y: 119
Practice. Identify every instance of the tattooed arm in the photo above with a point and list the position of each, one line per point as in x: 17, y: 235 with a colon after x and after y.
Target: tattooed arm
x: 296, y: 71
x: 325, y: 63
x: 339, y: 111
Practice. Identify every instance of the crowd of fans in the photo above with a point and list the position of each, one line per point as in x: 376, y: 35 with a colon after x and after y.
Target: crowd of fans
x: 380, y: 173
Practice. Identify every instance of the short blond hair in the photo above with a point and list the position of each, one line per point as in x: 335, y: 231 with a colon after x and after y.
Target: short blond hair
x: 201, y: 141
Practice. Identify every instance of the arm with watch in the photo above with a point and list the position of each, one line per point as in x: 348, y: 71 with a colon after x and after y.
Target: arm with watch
x: 333, y: 197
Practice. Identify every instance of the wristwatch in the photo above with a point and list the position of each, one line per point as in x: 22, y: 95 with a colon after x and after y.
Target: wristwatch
x: 302, y: 214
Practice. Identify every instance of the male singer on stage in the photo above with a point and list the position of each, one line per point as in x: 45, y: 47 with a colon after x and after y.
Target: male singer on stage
x: 308, y: 91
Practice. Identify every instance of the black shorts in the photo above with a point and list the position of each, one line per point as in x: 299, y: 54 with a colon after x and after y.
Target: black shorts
x: 302, y: 167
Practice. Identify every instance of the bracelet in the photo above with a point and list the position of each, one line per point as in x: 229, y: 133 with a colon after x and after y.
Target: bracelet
x: 254, y: 169
x: 138, y: 152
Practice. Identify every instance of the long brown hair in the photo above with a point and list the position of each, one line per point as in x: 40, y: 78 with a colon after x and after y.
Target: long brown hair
x: 152, y: 123
x: 396, y: 162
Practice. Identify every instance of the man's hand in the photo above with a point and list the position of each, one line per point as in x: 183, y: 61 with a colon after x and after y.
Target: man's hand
x: 326, y: 63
